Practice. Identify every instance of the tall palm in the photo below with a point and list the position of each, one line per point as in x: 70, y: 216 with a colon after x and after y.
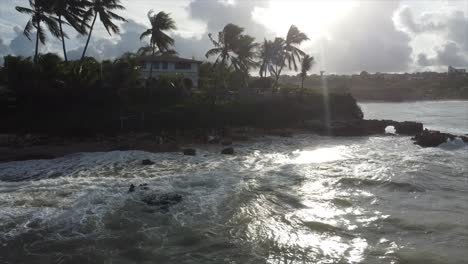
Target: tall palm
x: 105, y: 10
x: 245, y: 50
x: 225, y: 45
x: 39, y: 15
x: 289, y: 54
x: 70, y: 12
x: 160, y: 23
x: 306, y: 65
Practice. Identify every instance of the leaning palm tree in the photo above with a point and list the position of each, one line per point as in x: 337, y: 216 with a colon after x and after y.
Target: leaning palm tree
x: 39, y: 15
x: 160, y: 23
x: 245, y: 50
x: 290, y: 54
x: 70, y: 12
x: 306, y: 65
x: 225, y: 45
x: 103, y: 9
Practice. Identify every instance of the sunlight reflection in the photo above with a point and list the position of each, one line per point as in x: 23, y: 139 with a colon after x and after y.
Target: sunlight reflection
x: 319, y: 155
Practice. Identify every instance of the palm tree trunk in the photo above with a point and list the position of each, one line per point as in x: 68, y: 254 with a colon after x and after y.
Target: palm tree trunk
x: 37, y: 42
x: 63, y: 39
x: 302, y: 85
x: 151, y: 63
x: 89, y: 37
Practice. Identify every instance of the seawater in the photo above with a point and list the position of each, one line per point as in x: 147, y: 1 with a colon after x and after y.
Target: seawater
x: 306, y: 199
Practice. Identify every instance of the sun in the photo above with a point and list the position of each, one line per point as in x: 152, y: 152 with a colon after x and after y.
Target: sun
x: 313, y: 17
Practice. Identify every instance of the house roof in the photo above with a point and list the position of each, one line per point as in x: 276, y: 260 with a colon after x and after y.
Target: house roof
x: 168, y: 58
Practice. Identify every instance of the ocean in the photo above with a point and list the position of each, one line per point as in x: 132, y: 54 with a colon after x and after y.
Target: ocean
x: 305, y: 199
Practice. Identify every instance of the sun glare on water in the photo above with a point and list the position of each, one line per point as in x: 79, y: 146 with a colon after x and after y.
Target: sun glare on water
x: 314, y: 17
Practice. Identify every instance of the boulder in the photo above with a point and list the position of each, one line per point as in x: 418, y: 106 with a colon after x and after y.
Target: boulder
x: 228, y: 151
x: 146, y: 162
x: 430, y: 138
x: 408, y: 128
x: 189, y: 152
x: 132, y: 188
x: 163, y: 201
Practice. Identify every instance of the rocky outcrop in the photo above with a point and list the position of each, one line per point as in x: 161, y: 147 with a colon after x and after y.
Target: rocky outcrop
x: 362, y: 127
x: 430, y: 138
x: 228, y: 151
x: 160, y: 200
x: 189, y: 152
x: 146, y: 162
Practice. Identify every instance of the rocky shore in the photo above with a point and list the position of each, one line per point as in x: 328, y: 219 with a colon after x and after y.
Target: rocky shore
x: 27, y: 147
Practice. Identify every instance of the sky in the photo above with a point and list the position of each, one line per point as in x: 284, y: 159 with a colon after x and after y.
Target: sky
x: 346, y: 36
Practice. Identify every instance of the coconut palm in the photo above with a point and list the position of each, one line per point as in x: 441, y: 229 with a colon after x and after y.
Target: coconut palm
x: 70, y: 12
x: 159, y: 39
x: 225, y: 45
x: 39, y: 15
x: 286, y: 52
x: 245, y: 50
x: 105, y: 10
x: 306, y: 65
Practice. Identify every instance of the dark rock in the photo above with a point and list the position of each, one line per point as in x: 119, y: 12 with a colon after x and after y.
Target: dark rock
x: 162, y: 200
x: 189, y: 152
x: 228, y: 151
x: 408, y: 128
x: 132, y: 188
x: 147, y: 162
x: 430, y: 138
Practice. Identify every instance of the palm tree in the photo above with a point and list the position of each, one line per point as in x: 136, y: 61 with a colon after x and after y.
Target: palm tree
x: 306, y: 65
x: 39, y: 15
x: 286, y: 52
x: 246, y: 51
x: 103, y: 9
x: 72, y: 11
x: 160, y: 22
x: 225, y: 45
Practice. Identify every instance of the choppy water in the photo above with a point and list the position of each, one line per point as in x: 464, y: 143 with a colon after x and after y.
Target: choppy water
x: 306, y: 199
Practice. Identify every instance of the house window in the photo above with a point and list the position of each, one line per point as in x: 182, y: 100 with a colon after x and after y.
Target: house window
x: 156, y: 65
x: 183, y: 66
x: 164, y: 65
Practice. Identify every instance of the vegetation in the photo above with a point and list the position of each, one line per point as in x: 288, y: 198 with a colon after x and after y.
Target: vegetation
x: 306, y: 65
x: 105, y: 10
x: 56, y: 96
x: 158, y: 38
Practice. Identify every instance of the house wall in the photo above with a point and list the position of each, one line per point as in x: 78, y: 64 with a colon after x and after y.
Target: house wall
x: 191, y: 73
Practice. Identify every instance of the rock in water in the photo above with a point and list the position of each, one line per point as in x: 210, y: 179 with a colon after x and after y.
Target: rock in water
x: 163, y: 201
x: 430, y: 138
x: 228, y: 151
x: 132, y: 188
x: 190, y: 152
x: 147, y: 162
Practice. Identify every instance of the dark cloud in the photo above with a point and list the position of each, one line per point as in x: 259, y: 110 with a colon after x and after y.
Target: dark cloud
x: 424, y: 61
x: 216, y: 14
x: 365, y: 40
x: 427, y: 23
x: 452, y: 55
x: 22, y: 46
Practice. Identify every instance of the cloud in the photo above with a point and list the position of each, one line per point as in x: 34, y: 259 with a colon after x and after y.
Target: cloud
x: 366, y: 39
x: 104, y: 48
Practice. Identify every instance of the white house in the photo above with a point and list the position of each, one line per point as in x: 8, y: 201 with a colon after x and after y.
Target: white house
x: 170, y: 64
x: 452, y: 70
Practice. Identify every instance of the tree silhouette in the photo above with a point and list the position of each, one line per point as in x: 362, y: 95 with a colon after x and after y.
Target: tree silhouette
x: 38, y: 11
x: 306, y: 65
x: 225, y: 45
x: 105, y: 10
x: 160, y: 23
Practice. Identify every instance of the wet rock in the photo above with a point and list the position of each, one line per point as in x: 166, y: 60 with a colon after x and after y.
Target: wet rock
x: 189, y: 152
x: 146, y: 162
x: 430, y: 138
x: 132, y: 188
x: 228, y: 151
x: 408, y: 128
x: 164, y: 201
